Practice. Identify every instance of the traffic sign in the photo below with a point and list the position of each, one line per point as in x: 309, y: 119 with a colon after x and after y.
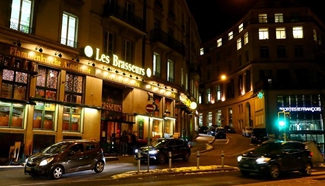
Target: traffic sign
x: 150, y: 108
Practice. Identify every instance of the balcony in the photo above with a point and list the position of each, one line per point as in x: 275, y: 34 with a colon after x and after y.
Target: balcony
x: 158, y: 35
x: 113, y: 9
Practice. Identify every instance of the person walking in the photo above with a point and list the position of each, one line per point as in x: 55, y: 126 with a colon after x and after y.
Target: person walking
x: 124, y: 144
x: 133, y: 141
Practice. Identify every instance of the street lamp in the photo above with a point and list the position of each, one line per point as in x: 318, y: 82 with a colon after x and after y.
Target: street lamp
x: 223, y: 77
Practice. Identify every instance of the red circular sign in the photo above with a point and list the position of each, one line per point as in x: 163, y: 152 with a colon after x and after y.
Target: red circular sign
x: 150, y: 108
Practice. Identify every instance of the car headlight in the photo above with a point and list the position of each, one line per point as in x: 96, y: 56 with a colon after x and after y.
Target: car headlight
x: 46, y: 161
x: 152, y: 152
x: 262, y: 160
x: 136, y: 151
x: 239, y: 158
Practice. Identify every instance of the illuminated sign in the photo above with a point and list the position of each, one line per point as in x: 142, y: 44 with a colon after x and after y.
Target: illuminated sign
x: 184, y: 99
x: 301, y: 109
x: 115, y: 61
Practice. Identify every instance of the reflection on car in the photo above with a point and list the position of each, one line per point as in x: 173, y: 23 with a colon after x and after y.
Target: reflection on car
x: 220, y: 133
x: 203, y: 129
x: 259, y: 135
x: 274, y: 157
x: 230, y: 129
x: 160, y: 148
x: 247, y: 131
x: 66, y: 157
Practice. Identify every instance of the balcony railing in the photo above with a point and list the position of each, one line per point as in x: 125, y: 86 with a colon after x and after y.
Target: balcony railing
x: 113, y: 9
x: 158, y: 35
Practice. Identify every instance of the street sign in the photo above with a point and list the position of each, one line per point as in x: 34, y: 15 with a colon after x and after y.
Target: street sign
x: 150, y: 108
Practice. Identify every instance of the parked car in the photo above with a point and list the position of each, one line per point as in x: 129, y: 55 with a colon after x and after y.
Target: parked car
x: 230, y: 129
x: 274, y: 157
x: 203, y: 129
x: 259, y: 135
x: 160, y: 148
x: 247, y: 131
x: 212, y: 130
x: 220, y: 133
x: 66, y: 157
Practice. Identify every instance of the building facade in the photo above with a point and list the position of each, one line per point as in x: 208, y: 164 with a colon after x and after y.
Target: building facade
x: 267, y: 71
x: 76, y: 69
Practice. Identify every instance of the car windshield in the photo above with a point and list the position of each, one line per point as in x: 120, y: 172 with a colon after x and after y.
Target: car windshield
x: 55, y: 148
x: 268, y: 148
x: 159, y: 143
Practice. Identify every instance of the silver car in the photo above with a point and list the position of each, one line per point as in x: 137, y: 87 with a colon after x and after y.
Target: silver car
x: 66, y: 157
x: 247, y: 131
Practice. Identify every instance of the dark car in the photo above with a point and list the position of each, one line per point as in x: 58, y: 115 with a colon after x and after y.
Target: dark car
x: 160, y: 148
x: 230, y: 129
x: 274, y: 157
x: 220, y: 133
x: 203, y: 129
x: 66, y: 157
x: 259, y: 135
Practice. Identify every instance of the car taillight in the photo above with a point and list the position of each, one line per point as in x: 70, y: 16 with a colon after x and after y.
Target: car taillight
x: 311, y: 154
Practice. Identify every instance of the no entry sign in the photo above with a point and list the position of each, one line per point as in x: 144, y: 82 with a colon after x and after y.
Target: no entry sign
x: 150, y: 108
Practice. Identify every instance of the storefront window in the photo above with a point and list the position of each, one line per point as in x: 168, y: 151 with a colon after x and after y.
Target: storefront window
x: 44, y: 114
x: 74, y: 88
x: 71, y: 119
x: 11, y: 115
x: 14, y: 84
x: 46, y: 84
x: 156, y: 129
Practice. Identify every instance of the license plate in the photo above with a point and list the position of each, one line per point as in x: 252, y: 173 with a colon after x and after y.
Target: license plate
x: 28, y: 168
x: 245, y: 165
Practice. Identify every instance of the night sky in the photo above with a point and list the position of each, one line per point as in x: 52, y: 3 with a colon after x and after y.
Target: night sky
x: 213, y: 17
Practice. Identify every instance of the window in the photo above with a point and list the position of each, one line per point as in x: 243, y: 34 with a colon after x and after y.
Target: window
x: 14, y: 84
x: 156, y: 64
x: 46, y: 83
x: 109, y: 43
x: 218, y: 92
x: 240, y: 27
x: 278, y: 17
x: 314, y: 35
x: 281, y: 51
x: 245, y: 38
x: 246, y: 56
x: 263, y: 33
x: 129, y: 11
x: 201, y: 51
x: 71, y: 118
x: 208, y: 60
x: 182, y: 77
x: 21, y: 15
x: 127, y: 51
x: 280, y: 33
x: 208, y: 95
x: 299, y: 52
x: 157, y: 24
x: 297, y: 32
x: 230, y: 35
x: 73, y: 88
x: 262, y: 18
x: 219, y: 42
x: 11, y: 114
x: 239, y: 60
x: 208, y: 74
x: 69, y: 30
x: 264, y: 52
x: 44, y: 114
x: 240, y: 85
x: 238, y: 43
x: 170, y: 70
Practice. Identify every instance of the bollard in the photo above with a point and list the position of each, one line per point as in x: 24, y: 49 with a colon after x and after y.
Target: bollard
x: 170, y: 159
x: 198, y: 159
x: 222, y: 157
x: 139, y: 161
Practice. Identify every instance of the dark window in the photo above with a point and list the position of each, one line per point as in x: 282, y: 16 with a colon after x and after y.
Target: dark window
x: 283, y: 78
x: 240, y: 84
x: 246, y: 55
x: 264, y: 52
x: 209, y: 60
x: 248, y: 81
x: 239, y: 60
x: 299, y: 52
x: 218, y: 56
x: 281, y: 51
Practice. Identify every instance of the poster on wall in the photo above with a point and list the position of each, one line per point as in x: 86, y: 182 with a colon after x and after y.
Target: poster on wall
x: 141, y: 125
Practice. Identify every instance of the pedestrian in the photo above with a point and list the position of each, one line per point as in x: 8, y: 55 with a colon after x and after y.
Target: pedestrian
x: 124, y: 144
x: 133, y: 142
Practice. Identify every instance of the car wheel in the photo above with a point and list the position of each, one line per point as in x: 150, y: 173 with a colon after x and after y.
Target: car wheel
x: 307, y: 169
x: 244, y: 173
x: 161, y: 158
x: 186, y: 157
x: 57, y: 172
x: 99, y: 167
x: 274, y: 171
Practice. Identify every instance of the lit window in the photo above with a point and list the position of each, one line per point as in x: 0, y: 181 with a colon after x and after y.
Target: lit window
x: 69, y: 30
x: 74, y: 88
x: 230, y: 35
x: 263, y: 33
x: 201, y: 51
x: 44, y: 114
x: 208, y: 95
x: 262, y: 18
x: 46, y: 83
x: 278, y: 18
x: 280, y: 33
x: 218, y: 92
x: 108, y: 43
x: 20, y: 18
x: 245, y: 38
x: 170, y: 70
x: 297, y: 32
x: 219, y: 42
x: 156, y: 64
x: 240, y: 27
x: 238, y: 43
x: 314, y: 35
x: 71, y: 118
